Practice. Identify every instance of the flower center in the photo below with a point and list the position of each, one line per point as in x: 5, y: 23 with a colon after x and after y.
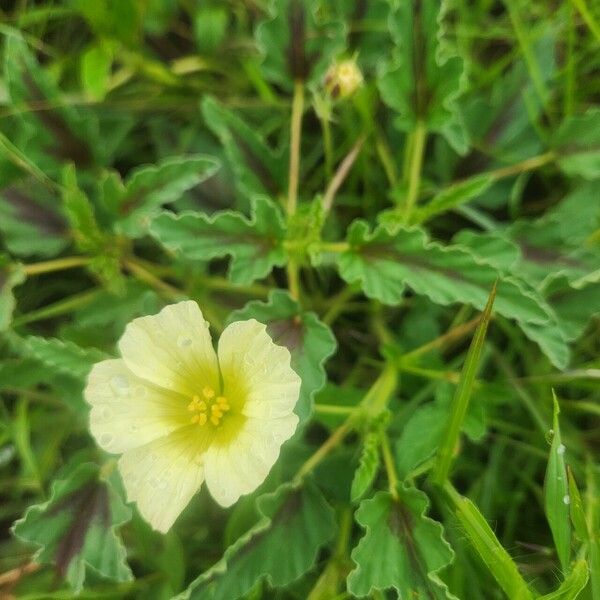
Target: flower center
x: 208, y: 407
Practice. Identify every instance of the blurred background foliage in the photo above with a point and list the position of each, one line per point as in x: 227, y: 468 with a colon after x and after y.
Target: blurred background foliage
x: 443, y: 146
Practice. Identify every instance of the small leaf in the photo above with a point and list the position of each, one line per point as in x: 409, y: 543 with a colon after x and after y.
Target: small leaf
x: 577, y: 144
x: 63, y: 356
x: 453, y: 196
x: 96, y: 64
x: 390, y: 259
x: 309, y: 341
x: 298, y: 42
x: 75, y: 528
x: 489, y: 549
x: 460, y: 402
x: 402, y: 548
x: 556, y: 495
x: 210, y: 26
x: 256, y: 167
x: 149, y: 187
x: 11, y: 275
x: 368, y: 466
x: 572, y: 586
x: 267, y: 552
x: 255, y: 245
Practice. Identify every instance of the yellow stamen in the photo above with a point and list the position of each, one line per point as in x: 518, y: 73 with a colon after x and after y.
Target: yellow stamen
x: 218, y: 406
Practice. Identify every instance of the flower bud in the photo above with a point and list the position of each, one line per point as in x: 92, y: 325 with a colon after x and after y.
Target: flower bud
x: 343, y: 78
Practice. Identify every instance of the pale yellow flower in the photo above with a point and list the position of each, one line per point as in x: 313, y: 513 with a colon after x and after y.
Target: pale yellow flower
x: 343, y: 78
x: 180, y: 413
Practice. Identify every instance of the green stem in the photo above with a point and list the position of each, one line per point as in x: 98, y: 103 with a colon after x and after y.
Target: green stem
x: 295, y: 137
x: 61, y: 307
x: 58, y: 264
x: 416, y: 164
x: 390, y: 467
x: 328, y: 147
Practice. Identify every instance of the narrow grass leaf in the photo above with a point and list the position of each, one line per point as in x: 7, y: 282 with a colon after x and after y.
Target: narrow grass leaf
x: 556, y: 495
x: 460, y: 403
x: 490, y: 550
x: 573, y: 585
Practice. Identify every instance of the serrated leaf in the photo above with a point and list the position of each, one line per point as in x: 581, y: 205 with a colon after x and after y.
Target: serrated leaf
x: 497, y: 249
x: 75, y: 528
x: 149, y: 187
x: 255, y: 245
x: 423, y: 79
x: 402, y: 548
x: 309, y: 341
x: 577, y: 143
x: 29, y: 222
x: 387, y: 261
x: 556, y: 495
x: 368, y: 466
x: 63, y: 356
x: 298, y: 41
x: 293, y: 513
x: 11, y: 275
x: 573, y: 585
x: 257, y: 168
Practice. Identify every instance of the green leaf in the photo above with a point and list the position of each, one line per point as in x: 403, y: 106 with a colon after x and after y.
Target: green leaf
x: 61, y: 131
x: 63, y: 356
x: 571, y: 587
x: 368, y: 466
x: 309, y: 341
x: 453, y: 196
x: 257, y: 169
x: 424, y: 77
x: 387, y: 261
x: 299, y: 41
x: 489, y: 549
x: 75, y: 528
x: 29, y: 222
x: 11, y: 275
x: 149, y: 187
x: 496, y: 249
x: 577, y: 143
x: 96, y: 64
x: 402, y: 548
x: 210, y: 26
x: 577, y: 512
x: 266, y: 553
x: 460, y: 402
x: 255, y: 245
x: 556, y: 495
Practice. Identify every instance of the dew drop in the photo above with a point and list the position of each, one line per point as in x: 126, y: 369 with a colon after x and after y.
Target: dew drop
x: 561, y: 449
x: 120, y: 384
x: 198, y: 459
x: 567, y: 499
x: 106, y: 413
x: 106, y: 439
x: 183, y: 341
x: 162, y: 484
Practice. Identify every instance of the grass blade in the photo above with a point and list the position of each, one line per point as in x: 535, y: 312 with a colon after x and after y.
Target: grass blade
x: 462, y: 396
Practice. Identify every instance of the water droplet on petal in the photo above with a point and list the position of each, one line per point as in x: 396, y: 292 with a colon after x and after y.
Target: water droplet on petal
x: 120, y: 384
x: 106, y: 413
x: 162, y: 484
x: 106, y: 439
x: 183, y: 341
x: 198, y: 459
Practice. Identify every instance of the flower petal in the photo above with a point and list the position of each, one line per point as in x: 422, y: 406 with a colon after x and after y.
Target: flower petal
x: 127, y: 411
x: 172, y: 349
x: 163, y: 476
x: 257, y: 370
x: 241, y: 466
